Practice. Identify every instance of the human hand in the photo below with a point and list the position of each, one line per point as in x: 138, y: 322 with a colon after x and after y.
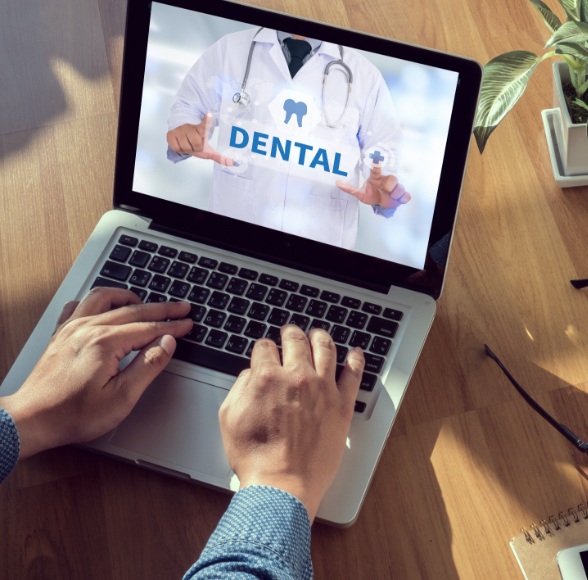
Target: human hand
x: 285, y: 425
x: 77, y: 392
x: 382, y: 190
x: 193, y: 140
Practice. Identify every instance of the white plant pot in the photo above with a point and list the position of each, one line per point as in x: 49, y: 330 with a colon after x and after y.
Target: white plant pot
x: 572, y: 140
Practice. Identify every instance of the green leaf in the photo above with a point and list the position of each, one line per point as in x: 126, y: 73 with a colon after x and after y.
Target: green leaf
x: 573, y: 49
x: 504, y: 81
x: 573, y: 8
x: 552, y: 21
x: 569, y: 32
x: 581, y: 104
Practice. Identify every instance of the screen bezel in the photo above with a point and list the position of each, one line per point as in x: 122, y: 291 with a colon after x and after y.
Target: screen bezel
x: 275, y: 246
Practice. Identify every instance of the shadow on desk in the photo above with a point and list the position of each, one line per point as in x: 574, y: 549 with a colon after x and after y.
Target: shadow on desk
x: 44, y: 45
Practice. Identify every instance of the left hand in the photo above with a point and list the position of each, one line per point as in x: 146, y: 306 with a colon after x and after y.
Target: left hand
x: 77, y: 392
x: 382, y: 190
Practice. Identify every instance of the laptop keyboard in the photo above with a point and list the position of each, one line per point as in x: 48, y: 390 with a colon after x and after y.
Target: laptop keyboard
x: 233, y: 306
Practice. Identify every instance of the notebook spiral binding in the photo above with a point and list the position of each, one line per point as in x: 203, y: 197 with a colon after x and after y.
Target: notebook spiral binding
x: 554, y: 524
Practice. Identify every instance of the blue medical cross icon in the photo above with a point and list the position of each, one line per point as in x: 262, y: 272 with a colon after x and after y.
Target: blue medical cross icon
x: 377, y: 157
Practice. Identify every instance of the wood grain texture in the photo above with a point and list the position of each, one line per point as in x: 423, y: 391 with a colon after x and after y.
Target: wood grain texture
x: 467, y: 464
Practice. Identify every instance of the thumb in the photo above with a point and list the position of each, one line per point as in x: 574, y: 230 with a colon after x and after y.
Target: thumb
x: 146, y: 366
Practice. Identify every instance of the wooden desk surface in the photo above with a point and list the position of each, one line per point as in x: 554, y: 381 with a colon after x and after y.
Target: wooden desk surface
x: 467, y: 464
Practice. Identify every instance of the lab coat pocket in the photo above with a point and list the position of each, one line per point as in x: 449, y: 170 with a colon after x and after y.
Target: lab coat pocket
x: 232, y: 195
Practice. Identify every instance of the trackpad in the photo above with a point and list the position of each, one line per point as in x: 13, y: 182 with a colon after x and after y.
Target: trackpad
x: 175, y: 424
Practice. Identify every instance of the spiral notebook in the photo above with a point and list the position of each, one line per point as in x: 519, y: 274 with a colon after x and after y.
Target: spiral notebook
x: 537, y: 547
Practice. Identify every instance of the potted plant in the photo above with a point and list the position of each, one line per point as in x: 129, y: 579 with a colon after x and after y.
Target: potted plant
x: 507, y: 75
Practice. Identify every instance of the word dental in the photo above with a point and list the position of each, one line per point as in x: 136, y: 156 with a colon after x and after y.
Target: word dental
x: 259, y: 142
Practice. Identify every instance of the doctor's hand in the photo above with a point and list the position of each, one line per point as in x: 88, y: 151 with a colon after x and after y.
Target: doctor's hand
x: 193, y: 140
x: 77, y: 392
x: 382, y: 190
x: 284, y: 424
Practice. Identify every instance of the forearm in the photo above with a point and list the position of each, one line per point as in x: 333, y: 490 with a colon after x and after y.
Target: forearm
x: 265, y: 532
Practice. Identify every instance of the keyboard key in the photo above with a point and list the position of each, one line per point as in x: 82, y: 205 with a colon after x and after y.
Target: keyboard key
x: 340, y: 333
x: 227, y: 268
x: 105, y: 283
x: 178, y: 270
x: 289, y: 285
x: 248, y: 274
x: 309, y: 291
x: 219, y: 300
x: 147, y: 246
x: 237, y: 344
x: 296, y: 303
x: 268, y: 280
x: 115, y: 270
x: 197, y: 334
x: 212, y: 358
x: 341, y: 353
x: 237, y: 286
x: 300, y: 320
x: 353, y: 303
x: 316, y: 308
x: 373, y: 363
x: 187, y: 257
x: 156, y: 297
x: 357, y: 319
x: 380, y: 345
x: 216, y: 338
x: 368, y: 382
x: 360, y: 339
x: 393, y: 314
x: 179, y: 289
x: 159, y: 283
x: 167, y: 252
x: 371, y: 308
x: 128, y: 241
x: 215, y: 318
x: 159, y: 264
x: 360, y: 406
x: 336, y: 314
x: 276, y: 297
x: 140, y: 278
x: 120, y: 253
x: 208, y: 263
x: 255, y: 329
x: 320, y: 324
x: 257, y: 292
x: 382, y: 326
x: 278, y: 317
x: 197, y: 312
x: 258, y: 311
x: 197, y: 275
x: 330, y: 296
x: 238, y: 305
x: 199, y: 295
x: 140, y: 259
x: 235, y: 324
x: 217, y: 280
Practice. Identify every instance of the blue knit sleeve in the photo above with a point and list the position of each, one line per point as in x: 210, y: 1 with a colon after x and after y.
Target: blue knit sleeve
x: 265, y: 533
x: 9, y: 445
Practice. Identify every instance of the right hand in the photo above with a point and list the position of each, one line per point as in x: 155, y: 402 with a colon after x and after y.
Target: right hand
x: 285, y: 425
x: 193, y: 140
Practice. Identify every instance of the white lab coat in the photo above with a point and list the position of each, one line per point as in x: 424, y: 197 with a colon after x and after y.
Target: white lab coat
x: 284, y: 198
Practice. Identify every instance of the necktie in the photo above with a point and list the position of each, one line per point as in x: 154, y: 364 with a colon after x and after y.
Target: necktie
x: 298, y: 49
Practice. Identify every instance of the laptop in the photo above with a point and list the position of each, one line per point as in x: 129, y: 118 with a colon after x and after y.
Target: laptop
x: 271, y: 222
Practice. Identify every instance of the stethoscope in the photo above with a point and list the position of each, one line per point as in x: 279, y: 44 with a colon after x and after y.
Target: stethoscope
x: 242, y: 98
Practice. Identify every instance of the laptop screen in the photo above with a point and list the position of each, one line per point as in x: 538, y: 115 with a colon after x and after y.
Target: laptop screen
x: 291, y: 129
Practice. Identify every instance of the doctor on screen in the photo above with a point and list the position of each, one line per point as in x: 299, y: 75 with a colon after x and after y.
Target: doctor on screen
x: 306, y: 133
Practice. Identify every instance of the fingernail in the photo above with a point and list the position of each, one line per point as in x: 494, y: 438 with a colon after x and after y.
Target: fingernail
x: 167, y: 343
